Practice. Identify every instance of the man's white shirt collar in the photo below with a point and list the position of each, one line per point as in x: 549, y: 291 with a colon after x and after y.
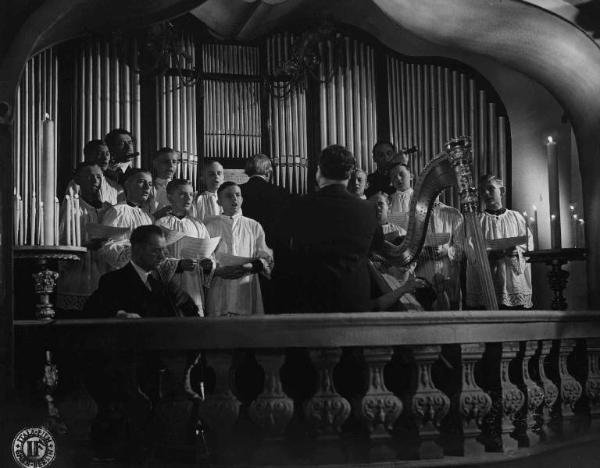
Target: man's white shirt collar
x: 141, y: 273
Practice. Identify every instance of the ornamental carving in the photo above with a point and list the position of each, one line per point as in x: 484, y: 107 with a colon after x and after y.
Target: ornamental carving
x: 512, y: 398
x: 379, y: 408
x: 272, y: 409
x: 428, y: 404
x: 44, y: 281
x: 472, y: 402
x: 592, y: 386
x: 327, y: 410
x: 570, y: 389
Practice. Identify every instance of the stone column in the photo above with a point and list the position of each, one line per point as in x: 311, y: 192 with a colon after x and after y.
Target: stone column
x: 379, y: 408
x: 428, y: 405
x: 570, y: 389
x: 471, y: 403
x: 273, y: 409
x: 527, y: 428
x: 545, y: 411
x: 327, y: 410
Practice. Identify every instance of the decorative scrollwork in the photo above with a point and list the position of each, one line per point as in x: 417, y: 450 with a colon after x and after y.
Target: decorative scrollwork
x: 592, y: 386
x: 327, y: 410
x: 570, y: 389
x: 471, y: 402
x: 44, y: 281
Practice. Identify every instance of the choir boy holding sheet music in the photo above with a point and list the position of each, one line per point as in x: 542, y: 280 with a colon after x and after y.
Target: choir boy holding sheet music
x: 241, y: 255
x: 508, y: 238
x: 78, y: 280
x: 206, y: 204
x: 180, y: 196
x: 164, y: 165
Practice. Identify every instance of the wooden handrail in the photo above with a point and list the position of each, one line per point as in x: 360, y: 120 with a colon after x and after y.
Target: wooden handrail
x: 317, y: 330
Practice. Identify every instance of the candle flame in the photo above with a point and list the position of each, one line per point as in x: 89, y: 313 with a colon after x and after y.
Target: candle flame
x: 550, y: 139
x: 575, y: 217
x: 581, y: 221
x: 552, y: 217
x: 525, y: 213
x: 531, y: 219
x: 534, y: 208
x: 571, y: 207
x: 46, y: 116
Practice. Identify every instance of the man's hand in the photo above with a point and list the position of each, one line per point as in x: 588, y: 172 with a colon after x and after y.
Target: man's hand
x: 127, y: 315
x: 164, y: 211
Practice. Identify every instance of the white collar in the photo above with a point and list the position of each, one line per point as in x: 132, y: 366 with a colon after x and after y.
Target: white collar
x: 234, y: 217
x: 159, y: 181
x: 210, y: 194
x: 141, y: 272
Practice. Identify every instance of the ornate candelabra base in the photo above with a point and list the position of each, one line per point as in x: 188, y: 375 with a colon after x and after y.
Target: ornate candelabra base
x: 44, y: 279
x: 557, y: 277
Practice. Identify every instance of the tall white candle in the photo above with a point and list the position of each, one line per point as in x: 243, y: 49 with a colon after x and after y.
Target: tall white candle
x: 552, y: 156
x: 32, y: 219
x: 536, y: 243
x: 56, y: 216
x: 48, y: 179
x: 77, y: 217
x: 68, y: 216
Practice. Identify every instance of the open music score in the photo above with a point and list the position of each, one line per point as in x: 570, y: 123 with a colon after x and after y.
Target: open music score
x: 506, y: 243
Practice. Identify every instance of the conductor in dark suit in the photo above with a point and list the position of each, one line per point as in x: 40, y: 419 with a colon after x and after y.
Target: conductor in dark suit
x: 136, y: 290
x: 331, y: 233
x: 266, y: 203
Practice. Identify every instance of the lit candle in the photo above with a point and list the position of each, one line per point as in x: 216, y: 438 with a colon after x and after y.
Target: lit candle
x: 41, y: 226
x: 552, y: 155
x: 574, y: 227
x: 56, y: 216
x: 68, y: 216
x: 48, y: 179
x: 77, y: 217
x: 581, y: 242
x: 32, y: 217
x: 533, y: 233
x: 536, y: 244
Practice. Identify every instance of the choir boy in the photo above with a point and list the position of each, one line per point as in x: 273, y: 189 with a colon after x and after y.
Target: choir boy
x: 164, y: 164
x: 206, y: 204
x: 400, y: 178
x: 122, y: 151
x: 180, y: 196
x: 130, y: 214
x: 79, y: 279
x: 382, y: 209
x: 358, y: 183
x: 235, y: 289
x: 510, y: 272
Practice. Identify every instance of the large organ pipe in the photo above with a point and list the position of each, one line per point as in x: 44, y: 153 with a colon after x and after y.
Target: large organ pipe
x: 502, y: 146
x: 493, y: 136
x: 455, y: 104
x: 420, y: 131
x: 426, y: 150
x: 483, y: 154
x: 473, y: 124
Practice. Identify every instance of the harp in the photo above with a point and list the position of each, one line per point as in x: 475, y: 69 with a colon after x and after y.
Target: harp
x: 450, y: 168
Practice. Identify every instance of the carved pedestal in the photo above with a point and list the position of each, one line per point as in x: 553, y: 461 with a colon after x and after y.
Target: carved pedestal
x: 379, y: 408
x: 592, y: 386
x: 428, y: 405
x: 327, y: 410
x: 220, y: 409
x: 528, y: 432
x: 471, y: 404
x: 544, y: 412
x: 512, y: 398
x: 272, y: 410
x: 570, y: 390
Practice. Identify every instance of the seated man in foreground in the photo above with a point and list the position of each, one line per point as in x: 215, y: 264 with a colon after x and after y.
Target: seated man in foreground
x: 136, y: 290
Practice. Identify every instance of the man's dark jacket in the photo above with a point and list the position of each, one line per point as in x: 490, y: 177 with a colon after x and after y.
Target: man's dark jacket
x: 265, y: 203
x: 331, y: 234
x: 124, y: 290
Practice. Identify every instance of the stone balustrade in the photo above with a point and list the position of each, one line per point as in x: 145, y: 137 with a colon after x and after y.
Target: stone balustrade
x: 348, y: 388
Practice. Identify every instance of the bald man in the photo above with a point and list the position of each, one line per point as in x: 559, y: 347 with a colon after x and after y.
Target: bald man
x: 206, y: 204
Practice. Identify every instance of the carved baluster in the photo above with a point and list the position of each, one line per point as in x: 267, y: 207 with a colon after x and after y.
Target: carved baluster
x: 50, y: 380
x: 512, y: 398
x: 327, y: 410
x: 428, y: 405
x: 570, y: 389
x: 544, y: 412
x: 528, y: 430
x: 592, y: 386
x: 379, y: 408
x: 471, y: 403
x: 219, y: 411
x: 272, y: 409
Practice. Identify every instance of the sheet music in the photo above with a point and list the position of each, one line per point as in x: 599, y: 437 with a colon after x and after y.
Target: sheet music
x: 192, y: 247
x: 100, y: 231
x: 400, y: 219
x: 506, y: 243
x: 172, y: 236
x: 433, y: 239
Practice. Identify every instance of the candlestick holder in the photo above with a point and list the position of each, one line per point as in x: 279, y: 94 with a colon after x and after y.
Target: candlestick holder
x: 44, y: 279
x: 557, y: 277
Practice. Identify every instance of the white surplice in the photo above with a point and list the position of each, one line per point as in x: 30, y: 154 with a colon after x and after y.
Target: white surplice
x: 206, y: 206
x: 243, y: 237
x: 193, y: 282
x: 79, y: 279
x: 116, y: 253
x: 446, y: 263
x: 511, y: 275
x: 400, y: 204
